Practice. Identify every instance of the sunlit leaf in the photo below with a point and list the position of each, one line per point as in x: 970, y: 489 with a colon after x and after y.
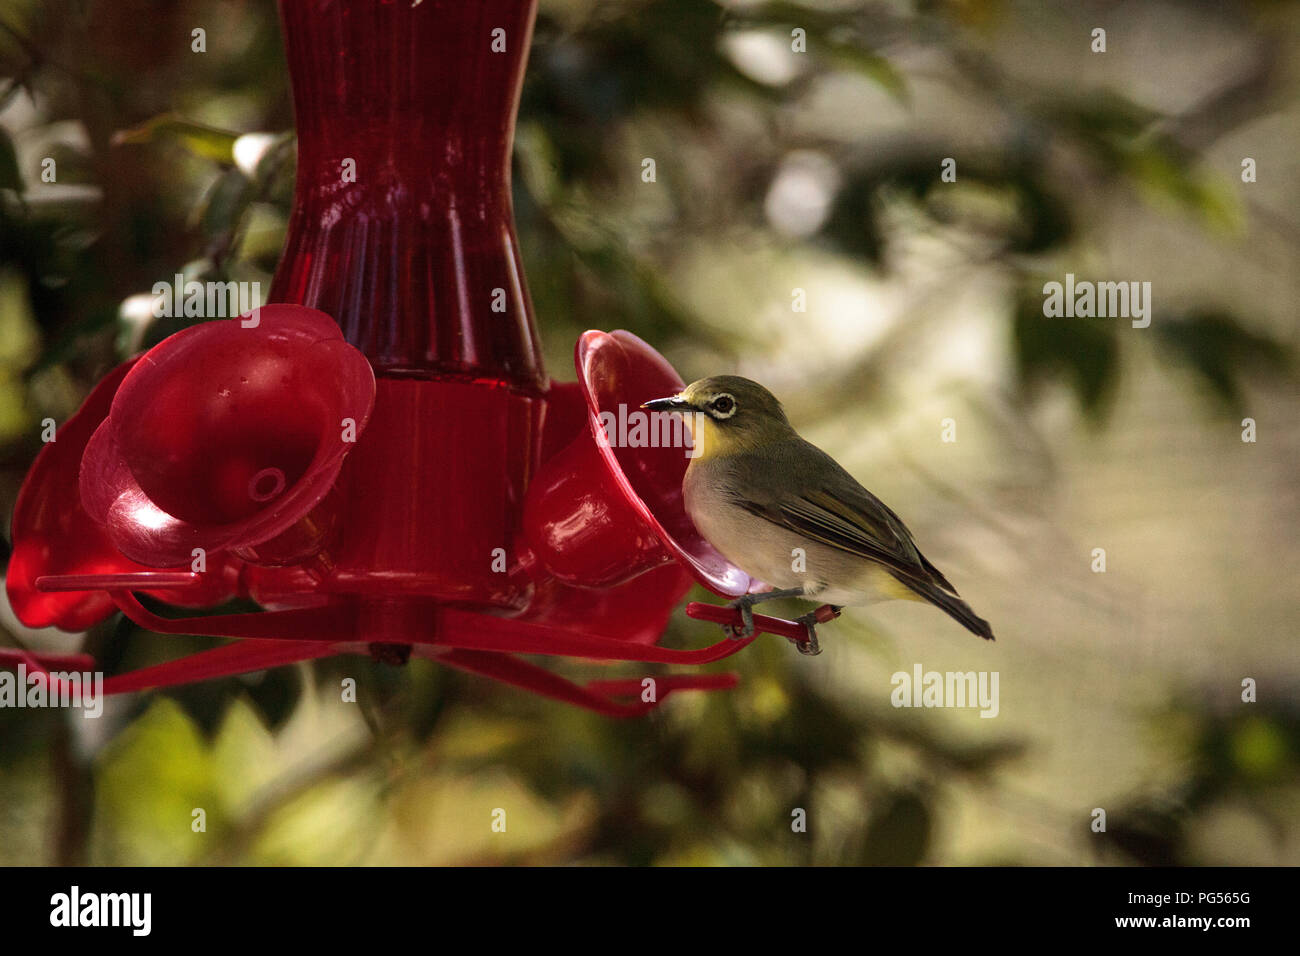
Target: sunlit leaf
x: 205, y: 141
x: 151, y: 780
x: 871, y: 65
x: 1260, y: 748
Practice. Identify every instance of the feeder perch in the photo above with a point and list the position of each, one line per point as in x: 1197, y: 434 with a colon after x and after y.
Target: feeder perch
x: 378, y: 459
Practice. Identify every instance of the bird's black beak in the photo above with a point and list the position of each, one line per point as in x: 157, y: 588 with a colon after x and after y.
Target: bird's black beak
x: 674, y: 404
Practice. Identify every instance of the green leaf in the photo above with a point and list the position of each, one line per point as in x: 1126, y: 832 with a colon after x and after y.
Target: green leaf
x: 1221, y: 352
x: 871, y: 65
x: 220, y: 211
x: 899, y: 832
x: 1083, y: 351
x: 1152, y: 833
x: 1121, y: 135
x: 1045, y: 219
x: 854, y: 224
x: 10, y: 176
x: 1260, y: 749
x: 149, y: 782
x: 203, y: 141
x: 1164, y: 175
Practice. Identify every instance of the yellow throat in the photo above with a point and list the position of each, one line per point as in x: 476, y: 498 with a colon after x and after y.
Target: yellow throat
x: 713, y: 440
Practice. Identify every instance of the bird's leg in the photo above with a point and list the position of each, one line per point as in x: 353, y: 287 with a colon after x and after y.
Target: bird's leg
x: 746, y: 605
x: 812, y: 647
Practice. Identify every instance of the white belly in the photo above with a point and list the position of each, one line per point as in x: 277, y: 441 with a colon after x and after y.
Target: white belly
x: 780, y: 557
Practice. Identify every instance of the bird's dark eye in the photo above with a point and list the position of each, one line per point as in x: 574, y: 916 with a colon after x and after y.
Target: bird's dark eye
x: 723, y: 404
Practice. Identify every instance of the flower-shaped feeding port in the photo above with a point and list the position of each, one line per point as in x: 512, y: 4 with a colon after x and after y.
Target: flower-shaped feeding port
x: 227, y: 437
x: 604, y: 509
x: 378, y: 460
x: 54, y: 536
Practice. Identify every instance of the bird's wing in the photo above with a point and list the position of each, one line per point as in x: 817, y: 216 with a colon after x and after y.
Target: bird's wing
x: 831, y: 507
x: 828, y: 505
x: 864, y: 527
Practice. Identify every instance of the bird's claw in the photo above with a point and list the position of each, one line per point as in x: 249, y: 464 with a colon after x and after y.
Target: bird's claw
x: 745, y: 605
x: 746, y: 616
x: 811, y: 646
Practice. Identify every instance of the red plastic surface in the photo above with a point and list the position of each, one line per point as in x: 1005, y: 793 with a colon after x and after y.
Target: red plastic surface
x: 433, y: 493
x: 415, y: 256
x: 226, y: 437
x: 53, y: 534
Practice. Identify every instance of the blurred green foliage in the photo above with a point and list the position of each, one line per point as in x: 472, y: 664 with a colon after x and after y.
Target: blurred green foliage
x: 1249, y: 758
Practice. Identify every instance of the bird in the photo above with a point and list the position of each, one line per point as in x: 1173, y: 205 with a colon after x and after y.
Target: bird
x: 787, y: 514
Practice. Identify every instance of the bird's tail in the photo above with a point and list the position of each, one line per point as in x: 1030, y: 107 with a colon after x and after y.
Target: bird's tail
x: 956, y: 608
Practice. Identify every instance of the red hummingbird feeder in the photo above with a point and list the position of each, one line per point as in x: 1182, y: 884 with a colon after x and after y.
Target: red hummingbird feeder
x: 378, y: 458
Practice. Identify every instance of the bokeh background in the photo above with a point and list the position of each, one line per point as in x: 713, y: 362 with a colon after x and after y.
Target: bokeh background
x: 776, y: 170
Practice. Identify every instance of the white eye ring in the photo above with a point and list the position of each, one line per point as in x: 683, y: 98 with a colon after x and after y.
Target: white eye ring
x: 718, y: 413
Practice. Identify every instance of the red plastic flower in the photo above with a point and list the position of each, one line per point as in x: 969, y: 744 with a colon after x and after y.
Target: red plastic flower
x: 223, y: 436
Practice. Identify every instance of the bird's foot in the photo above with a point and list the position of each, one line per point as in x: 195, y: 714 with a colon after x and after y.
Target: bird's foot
x: 746, y: 606
x: 812, y: 647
